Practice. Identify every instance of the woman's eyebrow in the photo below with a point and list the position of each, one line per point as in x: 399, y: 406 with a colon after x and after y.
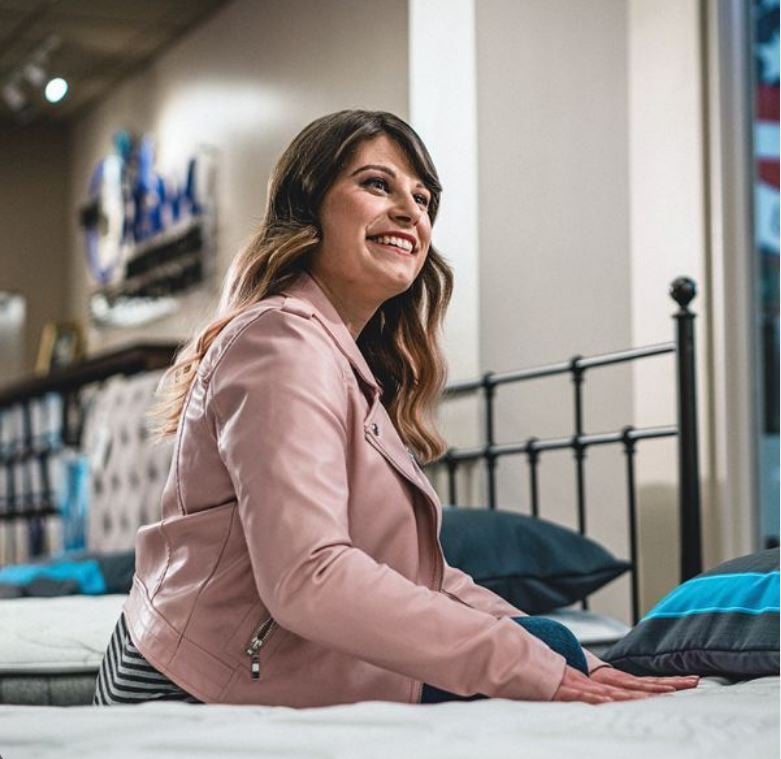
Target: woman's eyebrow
x: 385, y: 170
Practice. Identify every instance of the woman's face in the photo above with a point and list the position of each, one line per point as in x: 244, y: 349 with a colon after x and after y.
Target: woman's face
x: 377, y: 194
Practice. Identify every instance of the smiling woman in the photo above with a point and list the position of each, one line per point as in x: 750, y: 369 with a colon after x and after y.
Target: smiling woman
x: 297, y: 561
x: 348, y: 177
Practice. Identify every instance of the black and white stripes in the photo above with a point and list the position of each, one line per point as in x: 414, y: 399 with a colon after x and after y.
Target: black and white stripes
x: 126, y: 677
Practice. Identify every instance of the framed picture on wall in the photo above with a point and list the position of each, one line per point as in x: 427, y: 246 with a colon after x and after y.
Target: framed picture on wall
x: 62, y: 344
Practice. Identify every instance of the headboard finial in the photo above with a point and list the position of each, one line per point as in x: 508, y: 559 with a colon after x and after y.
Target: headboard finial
x: 683, y: 290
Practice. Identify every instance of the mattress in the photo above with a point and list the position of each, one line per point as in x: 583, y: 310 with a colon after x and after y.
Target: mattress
x: 597, y: 632
x: 65, y: 635
x: 69, y: 635
x: 51, y: 648
x: 718, y: 720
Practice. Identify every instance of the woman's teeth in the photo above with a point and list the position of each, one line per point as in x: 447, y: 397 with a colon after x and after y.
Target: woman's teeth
x: 397, y: 242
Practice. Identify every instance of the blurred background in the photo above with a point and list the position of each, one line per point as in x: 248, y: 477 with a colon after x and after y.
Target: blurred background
x: 590, y: 153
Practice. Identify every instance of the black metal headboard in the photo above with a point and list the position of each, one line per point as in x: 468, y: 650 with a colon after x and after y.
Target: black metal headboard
x: 682, y: 291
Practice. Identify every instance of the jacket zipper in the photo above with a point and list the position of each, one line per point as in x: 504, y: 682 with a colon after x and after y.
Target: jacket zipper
x: 259, y: 637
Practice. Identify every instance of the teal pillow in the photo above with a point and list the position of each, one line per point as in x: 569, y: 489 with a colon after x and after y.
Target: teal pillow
x: 75, y: 572
x: 534, y: 564
x: 722, y: 622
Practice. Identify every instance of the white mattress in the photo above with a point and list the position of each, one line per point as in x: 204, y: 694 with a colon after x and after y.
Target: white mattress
x: 68, y: 634
x: 589, y: 627
x: 716, y: 721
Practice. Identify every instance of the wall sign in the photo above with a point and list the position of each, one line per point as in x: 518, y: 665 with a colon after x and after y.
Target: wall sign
x: 148, y: 238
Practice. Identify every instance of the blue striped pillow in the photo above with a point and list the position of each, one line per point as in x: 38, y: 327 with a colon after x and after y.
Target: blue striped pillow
x: 722, y: 622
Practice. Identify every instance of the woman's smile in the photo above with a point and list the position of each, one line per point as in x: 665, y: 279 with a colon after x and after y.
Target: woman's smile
x: 392, y: 248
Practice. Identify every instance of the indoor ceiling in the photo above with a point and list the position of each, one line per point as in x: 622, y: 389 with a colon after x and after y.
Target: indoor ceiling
x: 92, y: 44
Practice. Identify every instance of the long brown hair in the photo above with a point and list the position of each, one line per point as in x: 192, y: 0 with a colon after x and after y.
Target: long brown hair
x: 401, y: 342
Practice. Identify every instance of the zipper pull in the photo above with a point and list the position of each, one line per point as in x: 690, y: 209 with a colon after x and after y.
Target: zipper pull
x: 255, y: 645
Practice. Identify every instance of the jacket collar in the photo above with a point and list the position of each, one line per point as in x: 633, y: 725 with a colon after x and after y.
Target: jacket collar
x: 308, y: 293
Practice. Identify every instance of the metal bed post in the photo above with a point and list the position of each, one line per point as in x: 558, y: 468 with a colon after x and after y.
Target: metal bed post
x: 579, y: 449
x: 629, y: 450
x: 683, y: 291
x: 533, y: 457
x: 451, y: 477
x: 489, y: 388
x: 577, y: 372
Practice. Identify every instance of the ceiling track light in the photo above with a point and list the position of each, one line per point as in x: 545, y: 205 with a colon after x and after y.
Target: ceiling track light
x: 35, y: 74
x: 14, y: 97
x: 56, y: 89
x: 32, y: 73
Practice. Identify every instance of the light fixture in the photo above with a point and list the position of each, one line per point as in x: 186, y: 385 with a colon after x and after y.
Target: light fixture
x: 13, y: 96
x: 35, y: 74
x: 56, y: 89
x: 19, y: 89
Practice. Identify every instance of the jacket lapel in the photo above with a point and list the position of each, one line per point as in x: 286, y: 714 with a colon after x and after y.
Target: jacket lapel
x: 305, y: 289
x: 379, y: 431
x: 378, y: 427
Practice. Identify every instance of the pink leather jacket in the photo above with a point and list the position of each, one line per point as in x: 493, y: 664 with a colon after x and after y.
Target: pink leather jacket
x: 297, y: 561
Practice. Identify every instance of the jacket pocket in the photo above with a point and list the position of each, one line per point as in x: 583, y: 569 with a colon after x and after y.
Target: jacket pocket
x: 260, y: 638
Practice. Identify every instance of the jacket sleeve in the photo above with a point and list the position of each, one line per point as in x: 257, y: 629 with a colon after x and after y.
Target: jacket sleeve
x: 280, y: 403
x: 464, y: 588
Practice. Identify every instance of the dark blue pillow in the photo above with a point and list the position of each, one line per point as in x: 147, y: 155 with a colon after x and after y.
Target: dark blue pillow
x: 722, y: 622
x: 536, y: 565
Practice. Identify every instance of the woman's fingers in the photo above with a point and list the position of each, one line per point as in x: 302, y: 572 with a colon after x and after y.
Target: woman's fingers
x: 677, y: 682
x: 610, y: 676
x: 575, y: 686
x: 573, y: 694
x: 644, y: 685
x: 608, y: 684
x: 598, y: 697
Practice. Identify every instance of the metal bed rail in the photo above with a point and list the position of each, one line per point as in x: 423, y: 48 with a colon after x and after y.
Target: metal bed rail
x: 682, y: 290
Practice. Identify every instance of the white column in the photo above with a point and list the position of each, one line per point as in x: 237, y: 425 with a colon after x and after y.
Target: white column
x: 733, y: 263
x: 443, y: 110
x: 668, y: 238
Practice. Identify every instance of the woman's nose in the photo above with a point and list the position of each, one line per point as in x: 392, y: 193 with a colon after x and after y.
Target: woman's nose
x: 408, y: 210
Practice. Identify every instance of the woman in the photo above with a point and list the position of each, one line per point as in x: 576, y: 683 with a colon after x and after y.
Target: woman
x: 297, y: 561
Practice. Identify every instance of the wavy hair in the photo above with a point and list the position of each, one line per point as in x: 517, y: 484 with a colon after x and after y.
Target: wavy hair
x: 401, y: 342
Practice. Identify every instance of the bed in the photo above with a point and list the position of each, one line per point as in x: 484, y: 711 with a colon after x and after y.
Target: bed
x: 50, y: 648
x: 717, y: 721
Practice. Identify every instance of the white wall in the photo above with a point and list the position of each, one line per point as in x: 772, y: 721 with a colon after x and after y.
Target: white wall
x: 554, y: 241
x: 245, y: 82
x: 600, y: 168
x: 667, y: 152
x: 443, y: 110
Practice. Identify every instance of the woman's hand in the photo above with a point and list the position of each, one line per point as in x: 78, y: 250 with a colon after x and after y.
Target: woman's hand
x: 607, y: 684
x: 575, y: 686
x: 619, y: 679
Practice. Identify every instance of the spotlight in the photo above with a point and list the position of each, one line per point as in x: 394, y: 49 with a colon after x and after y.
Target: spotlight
x: 56, y: 89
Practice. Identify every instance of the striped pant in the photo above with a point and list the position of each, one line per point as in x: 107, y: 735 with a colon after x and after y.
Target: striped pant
x: 126, y: 677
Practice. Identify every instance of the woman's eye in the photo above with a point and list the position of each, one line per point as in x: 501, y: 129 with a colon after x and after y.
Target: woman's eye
x: 377, y: 181
x: 383, y: 185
